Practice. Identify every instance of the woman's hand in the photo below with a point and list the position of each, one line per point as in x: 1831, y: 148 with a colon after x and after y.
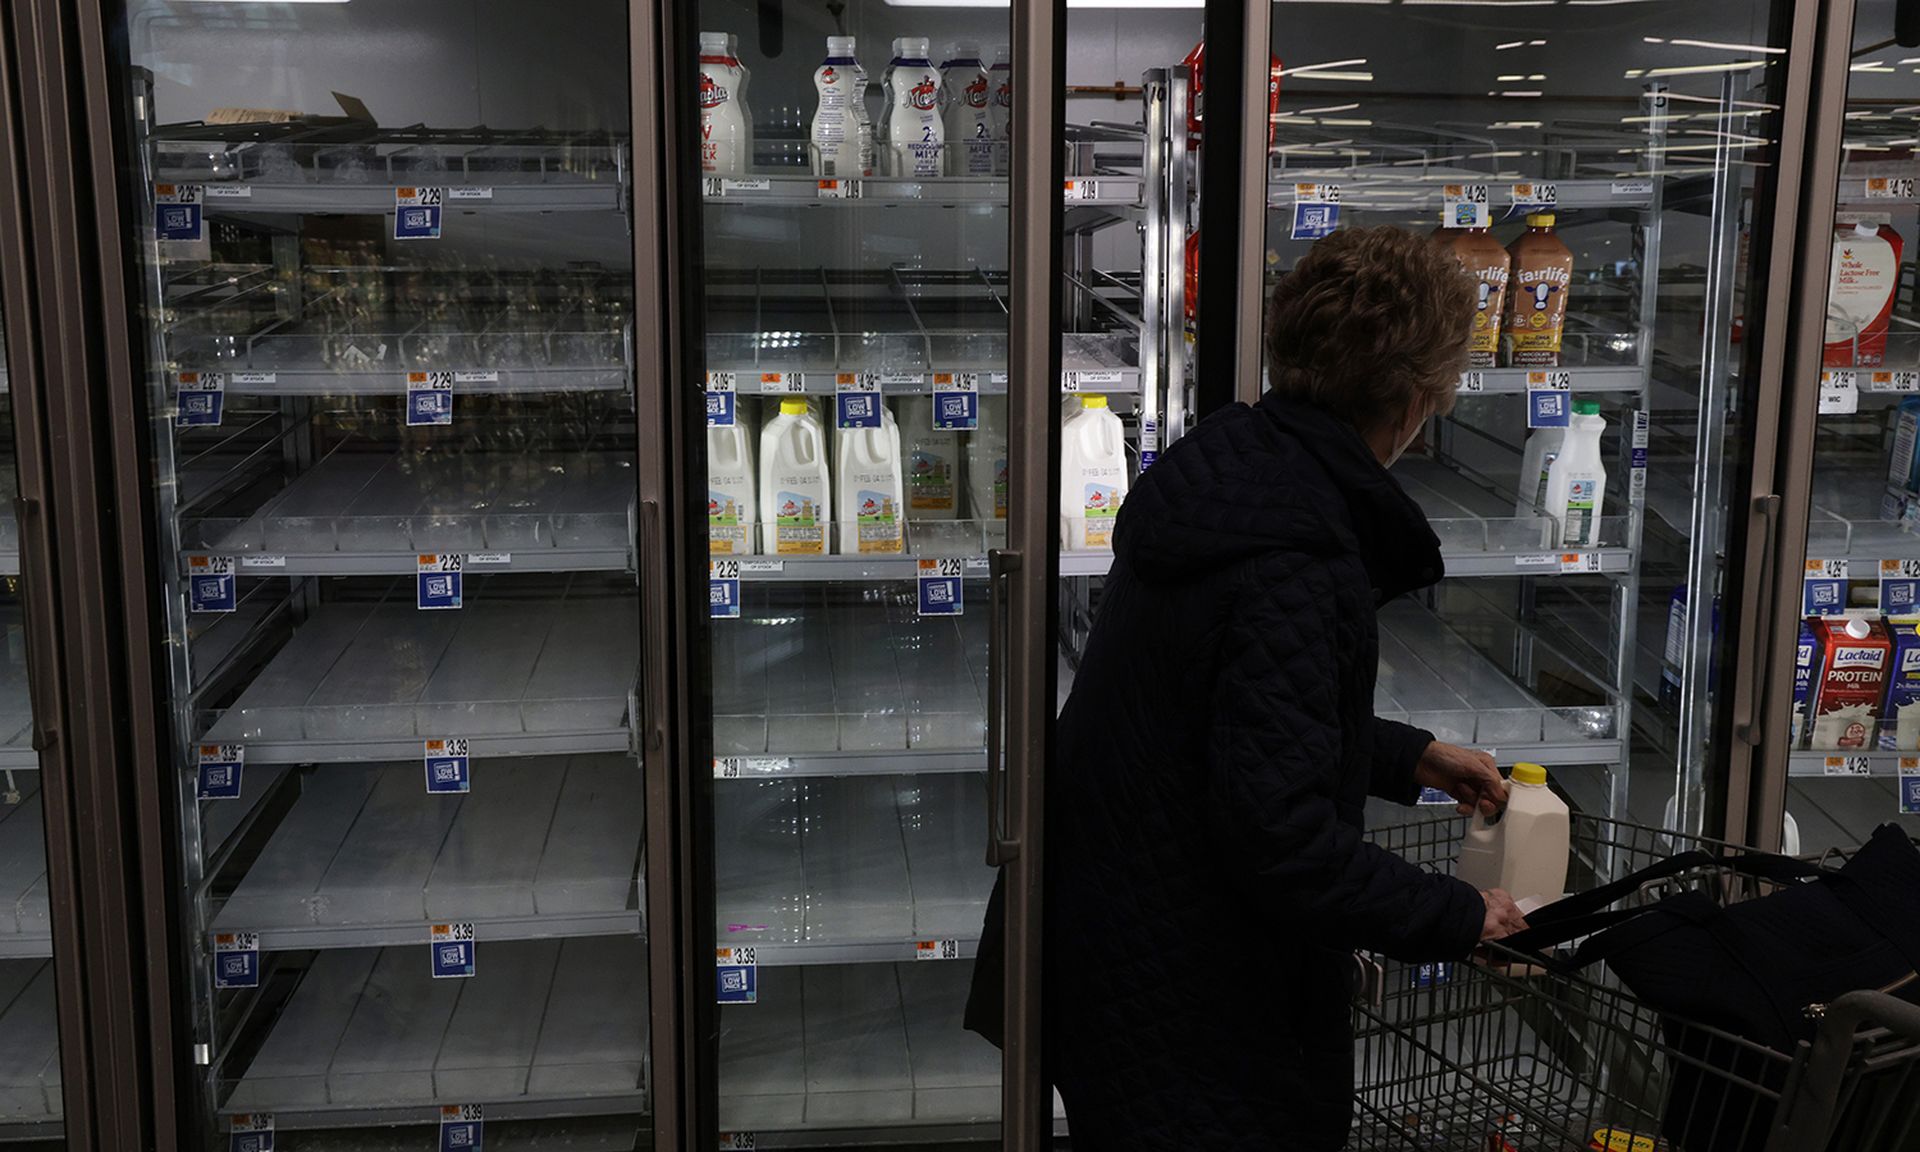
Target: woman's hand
x: 1503, y: 915
x: 1466, y: 774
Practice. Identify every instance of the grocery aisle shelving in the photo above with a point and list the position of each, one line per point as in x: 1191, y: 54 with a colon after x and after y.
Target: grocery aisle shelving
x: 1421, y: 188
x: 806, y: 190
x: 1480, y: 535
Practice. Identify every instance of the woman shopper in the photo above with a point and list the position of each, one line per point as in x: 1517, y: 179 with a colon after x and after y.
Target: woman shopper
x: 1207, y: 878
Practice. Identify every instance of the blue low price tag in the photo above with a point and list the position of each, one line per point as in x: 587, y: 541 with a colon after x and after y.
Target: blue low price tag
x: 1435, y: 797
x: 460, y: 1128
x: 723, y: 589
x: 220, y: 766
x: 437, y: 580
x: 1149, y: 442
x: 177, y: 212
x: 211, y: 584
x: 1910, y: 785
x: 236, y: 959
x: 1899, y: 587
x: 429, y: 399
x: 736, y: 977
x: 447, y: 766
x: 416, y: 213
x: 1825, y: 588
x: 250, y: 1132
x: 451, y: 947
x: 1429, y: 975
x: 1549, y: 399
x: 200, y: 399
x: 721, y: 400
x: 941, y: 590
x: 1316, y: 211
x: 956, y: 401
x: 856, y: 401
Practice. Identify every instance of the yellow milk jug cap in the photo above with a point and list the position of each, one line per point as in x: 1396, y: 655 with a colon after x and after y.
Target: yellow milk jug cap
x: 793, y: 407
x: 1093, y: 400
x: 1529, y: 774
x: 1540, y: 220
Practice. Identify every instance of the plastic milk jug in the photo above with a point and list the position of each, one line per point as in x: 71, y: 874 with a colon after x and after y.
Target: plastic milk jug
x: 871, y: 505
x: 840, y: 142
x: 795, y: 495
x: 730, y: 490
x: 969, y: 114
x: 1093, y: 479
x: 1000, y: 81
x: 987, y: 461
x: 1577, y: 480
x: 1523, y: 850
x: 1543, y: 447
x: 725, y: 144
x: 916, y: 135
x: 933, y: 462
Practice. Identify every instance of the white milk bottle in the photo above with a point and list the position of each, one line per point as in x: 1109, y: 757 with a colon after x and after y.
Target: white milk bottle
x: 837, y: 144
x: 883, y: 150
x: 1522, y: 851
x: 933, y: 462
x: 744, y: 100
x: 1577, y: 480
x: 987, y: 461
x: 1000, y: 122
x: 871, y: 505
x: 1093, y: 475
x: 731, y: 504
x: 915, y: 134
x: 1542, y: 448
x: 796, y: 496
x: 725, y: 144
x: 968, y: 116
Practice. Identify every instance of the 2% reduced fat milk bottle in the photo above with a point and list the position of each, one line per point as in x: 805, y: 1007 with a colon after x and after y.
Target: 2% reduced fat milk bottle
x: 840, y: 141
x: 916, y: 135
x: 968, y: 117
x: 1523, y: 850
x: 726, y: 141
x: 1093, y: 476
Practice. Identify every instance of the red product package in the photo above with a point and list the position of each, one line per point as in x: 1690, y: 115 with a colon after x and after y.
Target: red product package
x: 1863, y: 281
x: 1850, y: 682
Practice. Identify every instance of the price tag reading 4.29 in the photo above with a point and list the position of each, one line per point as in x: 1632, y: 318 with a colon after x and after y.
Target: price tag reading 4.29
x: 1899, y: 587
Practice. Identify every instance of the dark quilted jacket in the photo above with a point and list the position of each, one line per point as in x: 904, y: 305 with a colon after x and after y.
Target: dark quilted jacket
x: 1206, y: 877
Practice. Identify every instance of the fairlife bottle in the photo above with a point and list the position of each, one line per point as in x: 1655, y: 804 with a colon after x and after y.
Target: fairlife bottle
x: 1577, y: 481
x: 1093, y: 477
x: 840, y: 143
x: 725, y: 144
x: 969, y: 114
x: 916, y: 135
x: 1000, y: 81
x: 1524, y: 849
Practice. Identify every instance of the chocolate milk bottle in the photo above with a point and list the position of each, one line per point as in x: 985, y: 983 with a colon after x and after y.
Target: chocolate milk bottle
x: 1537, y: 295
x: 1483, y: 257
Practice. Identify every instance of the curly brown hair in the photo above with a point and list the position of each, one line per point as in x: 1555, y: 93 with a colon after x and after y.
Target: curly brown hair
x: 1369, y: 322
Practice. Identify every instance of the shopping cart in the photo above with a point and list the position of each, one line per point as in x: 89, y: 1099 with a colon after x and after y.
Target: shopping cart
x: 1500, y: 1055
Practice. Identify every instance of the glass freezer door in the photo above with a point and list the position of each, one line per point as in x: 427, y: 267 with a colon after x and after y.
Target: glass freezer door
x: 389, y: 282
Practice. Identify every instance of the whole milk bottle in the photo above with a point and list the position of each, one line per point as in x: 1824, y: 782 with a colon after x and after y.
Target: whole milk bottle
x: 916, y: 135
x: 968, y: 116
x: 840, y: 141
x: 731, y: 484
x: 933, y: 462
x: 1577, y: 479
x: 1523, y: 850
x: 871, y: 495
x: 987, y: 461
x: 725, y: 145
x: 1093, y: 475
x: 795, y: 493
x: 744, y: 99
x: 1000, y: 121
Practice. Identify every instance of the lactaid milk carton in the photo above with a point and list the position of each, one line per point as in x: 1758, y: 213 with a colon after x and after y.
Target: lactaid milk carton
x: 1804, y: 658
x: 1900, y: 730
x: 1850, y: 683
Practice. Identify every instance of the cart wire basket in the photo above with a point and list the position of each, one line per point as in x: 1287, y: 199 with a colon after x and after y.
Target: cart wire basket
x: 1497, y: 1054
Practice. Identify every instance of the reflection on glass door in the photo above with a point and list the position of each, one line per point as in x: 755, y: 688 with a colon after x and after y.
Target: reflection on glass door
x: 1592, y: 168
x: 1855, y: 723
x: 30, y: 1092
x: 390, y: 285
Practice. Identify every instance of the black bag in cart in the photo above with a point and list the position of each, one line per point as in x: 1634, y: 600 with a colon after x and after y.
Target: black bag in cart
x: 1752, y: 968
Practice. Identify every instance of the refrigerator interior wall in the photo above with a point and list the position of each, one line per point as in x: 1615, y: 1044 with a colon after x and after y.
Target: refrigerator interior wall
x: 392, y: 380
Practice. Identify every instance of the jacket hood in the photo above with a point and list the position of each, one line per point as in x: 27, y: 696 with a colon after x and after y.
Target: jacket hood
x: 1280, y: 476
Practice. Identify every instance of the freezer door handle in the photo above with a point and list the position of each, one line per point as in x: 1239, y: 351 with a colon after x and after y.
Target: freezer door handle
x: 653, y: 693
x: 26, y: 513
x: 1748, y: 723
x: 1001, y: 564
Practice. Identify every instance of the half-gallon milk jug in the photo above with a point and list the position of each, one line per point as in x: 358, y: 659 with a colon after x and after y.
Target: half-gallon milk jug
x: 987, y: 461
x: 795, y: 495
x: 1093, y: 476
x: 969, y: 115
x: 871, y: 508
x: 840, y: 143
x: 916, y: 136
x: 730, y: 490
x: 725, y: 145
x: 1524, y: 849
x: 1000, y: 80
x: 1543, y: 447
x: 1577, y: 480
x: 933, y: 462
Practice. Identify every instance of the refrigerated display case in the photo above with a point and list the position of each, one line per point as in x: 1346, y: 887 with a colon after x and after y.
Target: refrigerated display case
x: 391, y: 388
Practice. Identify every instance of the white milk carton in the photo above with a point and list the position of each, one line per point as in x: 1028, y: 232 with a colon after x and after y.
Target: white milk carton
x: 1522, y: 851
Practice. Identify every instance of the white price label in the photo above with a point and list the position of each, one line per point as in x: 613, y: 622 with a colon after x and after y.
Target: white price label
x: 1826, y: 570
x: 477, y: 376
x: 738, y: 1142
x: 1900, y: 569
x: 936, y: 950
x: 1893, y: 382
x: 1081, y: 380
x: 252, y: 377
x: 1473, y: 381
x: 1890, y: 188
x: 1558, y: 380
x: 1316, y: 193
x: 1580, y: 562
x: 723, y: 570
x: 1849, y: 766
x: 1083, y: 189
x: 722, y: 381
x: 763, y: 567
x: 261, y: 560
x: 1633, y: 187
x: 226, y: 191
x: 1535, y: 195
x: 468, y: 192
x: 900, y: 379
x: 490, y: 559
x: 837, y: 189
x: 785, y: 383
x: 1839, y: 392
x: 1536, y: 560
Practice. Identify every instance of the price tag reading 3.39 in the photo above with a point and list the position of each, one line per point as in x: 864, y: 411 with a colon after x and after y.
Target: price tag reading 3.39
x: 736, y: 975
x: 452, y: 949
x: 460, y: 1128
x: 447, y: 766
x: 220, y: 766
